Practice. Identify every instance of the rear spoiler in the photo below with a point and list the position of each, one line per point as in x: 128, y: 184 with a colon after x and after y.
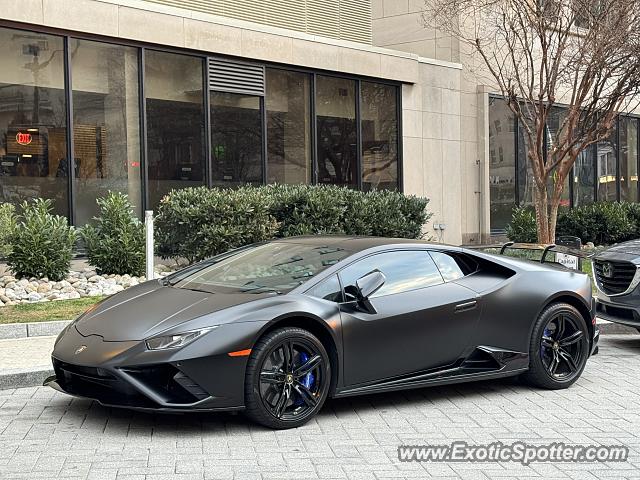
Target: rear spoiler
x: 544, y: 248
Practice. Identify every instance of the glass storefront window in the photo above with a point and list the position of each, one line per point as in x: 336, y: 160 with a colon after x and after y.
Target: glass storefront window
x: 555, y: 133
x: 33, y: 129
x: 175, y: 123
x: 584, y: 177
x: 379, y: 127
x: 502, y: 166
x: 106, y: 124
x: 236, y: 139
x: 628, y: 159
x: 337, y: 131
x: 606, y: 161
x: 288, y: 127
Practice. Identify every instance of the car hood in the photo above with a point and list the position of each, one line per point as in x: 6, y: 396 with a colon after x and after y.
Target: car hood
x: 150, y: 308
x: 632, y: 247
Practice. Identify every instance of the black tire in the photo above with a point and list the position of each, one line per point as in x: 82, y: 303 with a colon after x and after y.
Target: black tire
x: 281, y: 397
x: 565, y: 348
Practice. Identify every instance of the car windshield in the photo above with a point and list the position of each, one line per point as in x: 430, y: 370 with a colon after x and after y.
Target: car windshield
x: 273, y: 267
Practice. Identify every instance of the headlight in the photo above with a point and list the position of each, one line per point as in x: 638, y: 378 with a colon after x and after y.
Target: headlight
x: 179, y: 340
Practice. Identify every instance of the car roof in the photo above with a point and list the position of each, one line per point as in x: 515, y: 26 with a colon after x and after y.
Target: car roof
x: 354, y: 243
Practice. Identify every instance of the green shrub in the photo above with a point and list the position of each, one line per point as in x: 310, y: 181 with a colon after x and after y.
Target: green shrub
x: 42, y: 243
x: 7, y: 225
x: 523, y: 226
x: 196, y: 223
x: 116, y: 243
x: 633, y: 213
x: 602, y: 223
x: 301, y: 210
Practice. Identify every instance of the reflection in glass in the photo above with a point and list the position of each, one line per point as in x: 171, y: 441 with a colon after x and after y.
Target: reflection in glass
x: 337, y: 131
x: 33, y: 149
x: 502, y: 163
x: 606, y: 156
x: 288, y: 127
x: 554, y: 125
x: 106, y: 124
x: 404, y: 271
x: 236, y: 139
x: 628, y: 159
x: 379, y: 118
x: 175, y: 123
x: 584, y: 177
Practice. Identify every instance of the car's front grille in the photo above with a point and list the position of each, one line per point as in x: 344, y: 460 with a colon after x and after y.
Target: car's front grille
x: 97, y: 383
x: 613, y: 277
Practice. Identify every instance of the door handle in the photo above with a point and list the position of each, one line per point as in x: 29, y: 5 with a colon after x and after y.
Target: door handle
x: 463, y: 307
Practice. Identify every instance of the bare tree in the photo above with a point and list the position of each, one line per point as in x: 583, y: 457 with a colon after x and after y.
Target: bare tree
x: 583, y: 55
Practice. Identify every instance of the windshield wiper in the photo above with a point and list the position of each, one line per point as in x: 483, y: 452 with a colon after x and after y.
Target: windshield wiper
x: 256, y: 286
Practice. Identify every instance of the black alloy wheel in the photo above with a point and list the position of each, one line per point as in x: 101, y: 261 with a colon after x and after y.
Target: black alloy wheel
x: 559, y: 347
x: 288, y: 378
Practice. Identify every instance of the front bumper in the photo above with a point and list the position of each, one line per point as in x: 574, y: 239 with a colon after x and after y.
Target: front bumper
x: 126, y: 374
x: 619, y: 312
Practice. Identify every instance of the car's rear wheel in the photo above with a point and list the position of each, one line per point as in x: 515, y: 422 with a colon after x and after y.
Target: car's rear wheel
x: 288, y: 378
x: 559, y: 347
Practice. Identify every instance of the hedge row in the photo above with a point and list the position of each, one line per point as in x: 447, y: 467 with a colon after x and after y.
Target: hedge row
x: 196, y: 223
x: 602, y: 223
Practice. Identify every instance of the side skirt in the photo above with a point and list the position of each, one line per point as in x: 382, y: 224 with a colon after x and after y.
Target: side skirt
x: 483, y: 363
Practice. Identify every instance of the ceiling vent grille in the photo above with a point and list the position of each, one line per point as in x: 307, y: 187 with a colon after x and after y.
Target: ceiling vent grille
x: 236, y: 77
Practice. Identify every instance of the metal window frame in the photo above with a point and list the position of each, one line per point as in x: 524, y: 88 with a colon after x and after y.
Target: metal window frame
x: 143, y: 47
x: 142, y: 102
x: 69, y: 132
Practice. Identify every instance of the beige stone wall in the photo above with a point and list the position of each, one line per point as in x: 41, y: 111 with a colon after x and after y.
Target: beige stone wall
x: 453, y: 172
x: 398, y: 24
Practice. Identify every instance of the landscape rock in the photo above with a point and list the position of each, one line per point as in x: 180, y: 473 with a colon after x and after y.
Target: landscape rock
x: 85, y: 283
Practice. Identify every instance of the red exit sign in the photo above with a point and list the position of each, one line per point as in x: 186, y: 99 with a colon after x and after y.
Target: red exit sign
x: 24, y: 138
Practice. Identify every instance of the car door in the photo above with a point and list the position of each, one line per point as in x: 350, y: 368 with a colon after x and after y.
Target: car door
x: 420, y: 322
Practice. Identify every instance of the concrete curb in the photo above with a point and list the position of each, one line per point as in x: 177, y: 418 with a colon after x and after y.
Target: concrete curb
x: 32, y: 329
x: 20, y: 378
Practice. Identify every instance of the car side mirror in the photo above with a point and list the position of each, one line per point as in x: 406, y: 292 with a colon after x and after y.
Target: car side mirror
x: 370, y: 283
x: 366, y: 286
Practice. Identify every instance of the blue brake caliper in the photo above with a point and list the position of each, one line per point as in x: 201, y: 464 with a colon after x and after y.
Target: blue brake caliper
x: 546, y: 333
x: 307, y: 380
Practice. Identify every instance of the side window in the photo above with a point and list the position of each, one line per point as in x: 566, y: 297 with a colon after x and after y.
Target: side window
x: 451, y: 266
x: 405, y: 270
x: 328, y: 289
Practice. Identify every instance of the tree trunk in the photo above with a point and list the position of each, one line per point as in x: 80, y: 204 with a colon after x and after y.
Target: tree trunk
x: 541, y: 203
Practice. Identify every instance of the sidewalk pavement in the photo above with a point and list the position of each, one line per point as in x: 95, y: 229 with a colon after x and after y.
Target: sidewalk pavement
x: 25, y: 362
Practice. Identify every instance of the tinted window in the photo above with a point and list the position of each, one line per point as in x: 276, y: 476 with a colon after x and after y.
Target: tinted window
x: 106, y: 124
x: 236, y: 139
x: 275, y: 267
x: 404, y: 271
x: 175, y: 123
x: 329, y: 289
x: 33, y: 128
x: 447, y: 265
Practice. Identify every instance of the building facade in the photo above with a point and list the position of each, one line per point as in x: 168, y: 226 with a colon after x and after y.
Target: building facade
x: 146, y: 96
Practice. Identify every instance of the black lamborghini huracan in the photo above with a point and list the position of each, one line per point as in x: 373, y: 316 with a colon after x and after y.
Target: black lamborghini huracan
x: 276, y: 328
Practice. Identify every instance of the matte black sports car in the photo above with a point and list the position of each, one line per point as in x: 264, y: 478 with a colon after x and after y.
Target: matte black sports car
x: 276, y: 328
x: 616, y: 272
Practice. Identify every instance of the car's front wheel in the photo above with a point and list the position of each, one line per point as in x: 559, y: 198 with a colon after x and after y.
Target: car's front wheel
x: 288, y: 378
x: 559, y: 347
